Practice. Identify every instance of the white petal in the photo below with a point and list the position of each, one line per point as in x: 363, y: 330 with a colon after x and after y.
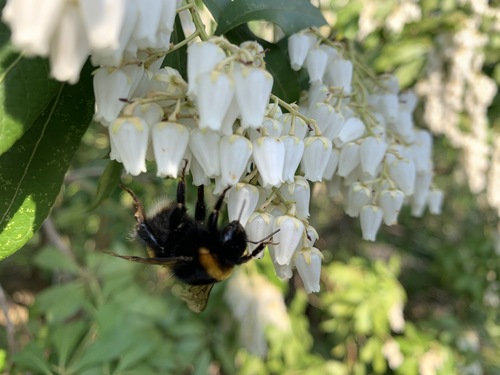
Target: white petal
x: 371, y: 218
x: 69, y: 47
x: 358, y: 196
x: 130, y: 138
x: 269, y: 156
x: 372, y: 153
x: 316, y: 64
x: 258, y: 227
x: 391, y: 202
x: 202, y: 58
x: 287, y: 239
x: 299, y: 192
x: 298, y: 46
x: 349, y: 158
x: 294, y: 149
x: 253, y: 87
x: 235, y: 152
x: 315, y: 159
x: 241, y: 202
x: 204, y: 145
x: 170, y: 141
x: 308, y: 263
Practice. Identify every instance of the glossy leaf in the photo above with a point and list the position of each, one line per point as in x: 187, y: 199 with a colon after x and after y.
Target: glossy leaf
x: 25, y: 90
x: 290, y: 15
x: 32, y: 171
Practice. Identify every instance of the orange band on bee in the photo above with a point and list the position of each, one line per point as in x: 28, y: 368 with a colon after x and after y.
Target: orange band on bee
x: 212, y: 265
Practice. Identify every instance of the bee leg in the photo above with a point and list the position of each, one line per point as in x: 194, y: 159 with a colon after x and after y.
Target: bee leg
x: 139, y: 210
x: 254, y: 253
x: 214, y: 216
x: 201, y: 208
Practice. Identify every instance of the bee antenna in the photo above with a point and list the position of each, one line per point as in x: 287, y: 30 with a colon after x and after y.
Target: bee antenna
x: 265, y: 238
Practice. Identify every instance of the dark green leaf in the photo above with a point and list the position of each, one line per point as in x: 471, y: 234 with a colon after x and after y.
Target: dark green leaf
x: 65, y: 338
x: 33, y: 170
x: 291, y: 15
x: 32, y: 357
x: 178, y: 58
x: 216, y: 7
x: 108, y: 182
x: 25, y: 90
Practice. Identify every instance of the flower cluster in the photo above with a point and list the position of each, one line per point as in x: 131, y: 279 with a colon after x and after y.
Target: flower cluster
x: 222, y: 122
x: 69, y: 31
x: 373, y: 156
x: 357, y: 135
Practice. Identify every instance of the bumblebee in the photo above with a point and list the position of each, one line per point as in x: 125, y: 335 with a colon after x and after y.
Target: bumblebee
x: 198, y: 253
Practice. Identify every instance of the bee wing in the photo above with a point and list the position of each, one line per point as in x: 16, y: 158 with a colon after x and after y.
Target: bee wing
x: 196, y: 296
x: 159, y: 261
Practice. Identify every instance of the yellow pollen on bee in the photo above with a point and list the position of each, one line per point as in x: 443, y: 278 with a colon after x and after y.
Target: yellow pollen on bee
x: 212, y: 265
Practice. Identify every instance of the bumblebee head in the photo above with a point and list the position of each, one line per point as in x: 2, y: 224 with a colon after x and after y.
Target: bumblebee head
x: 233, y: 241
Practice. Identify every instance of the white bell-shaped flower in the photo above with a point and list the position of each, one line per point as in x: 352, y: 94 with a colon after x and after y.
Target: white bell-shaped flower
x: 215, y: 92
x: 370, y: 218
x: 299, y: 192
x: 349, y: 158
x: 317, y: 93
x: 352, y: 130
x: 435, y: 201
x: 169, y: 11
x: 299, y: 125
x: 152, y: 113
x: 148, y: 22
x: 372, y: 151
x: 110, y: 85
x: 269, y: 156
x: 230, y: 117
x: 253, y: 87
x: 199, y: 176
x: 391, y: 202
x: 270, y: 127
x: 258, y: 227
x: 316, y: 154
x: 403, y: 173
x: 421, y: 151
x: 33, y: 24
x: 316, y: 61
x: 339, y: 75
x: 168, y: 81
x: 69, y: 47
x: 388, y: 105
x: 202, y: 58
x: 294, y: 149
x: 112, y: 55
x: 204, y: 144
x: 103, y: 20
x: 287, y: 239
x: 333, y: 162
x: 423, y: 182
x: 235, y: 152
x: 242, y: 200
x: 311, y: 236
x: 407, y: 101
x: 403, y: 126
x: 299, y: 45
x: 220, y: 186
x: 170, y: 141
x: 283, y: 271
x: 130, y: 140
x: 358, y: 196
x: 308, y: 263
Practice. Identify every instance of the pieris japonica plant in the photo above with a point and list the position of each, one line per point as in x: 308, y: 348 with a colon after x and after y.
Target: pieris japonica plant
x: 221, y: 112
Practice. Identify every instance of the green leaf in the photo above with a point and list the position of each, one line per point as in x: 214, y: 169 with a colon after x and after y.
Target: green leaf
x: 25, y: 90
x: 177, y: 59
x: 290, y: 15
x: 52, y: 259
x: 32, y: 171
x: 61, y: 302
x: 108, y: 182
x: 32, y: 357
x: 65, y: 338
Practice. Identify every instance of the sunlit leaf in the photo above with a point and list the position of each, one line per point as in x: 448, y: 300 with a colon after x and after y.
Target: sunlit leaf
x: 32, y: 171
